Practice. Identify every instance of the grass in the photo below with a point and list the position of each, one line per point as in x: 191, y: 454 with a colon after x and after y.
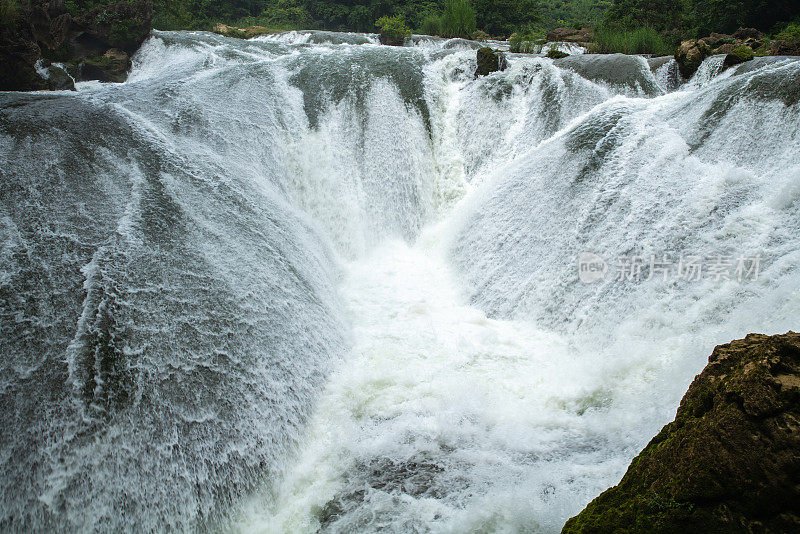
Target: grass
x: 457, y: 20
x: 639, y: 41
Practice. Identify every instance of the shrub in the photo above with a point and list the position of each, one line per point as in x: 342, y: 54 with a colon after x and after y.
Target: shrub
x: 791, y: 33
x: 526, y: 43
x: 458, y: 19
x: 430, y: 25
x: 393, y: 30
x: 643, y: 40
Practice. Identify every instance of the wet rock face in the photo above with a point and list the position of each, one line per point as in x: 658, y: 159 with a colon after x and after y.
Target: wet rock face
x: 44, y: 29
x: 729, y: 462
x: 113, y: 66
x: 489, y: 61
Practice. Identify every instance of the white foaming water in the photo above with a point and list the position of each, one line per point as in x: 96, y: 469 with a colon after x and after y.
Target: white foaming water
x: 254, y: 214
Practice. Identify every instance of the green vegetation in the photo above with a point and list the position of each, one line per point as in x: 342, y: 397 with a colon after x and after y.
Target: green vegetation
x: 526, y: 43
x: 457, y: 19
x: 393, y: 30
x: 503, y: 17
x: 9, y: 13
x: 790, y: 34
x: 555, y: 53
x: 643, y: 40
x: 697, y: 18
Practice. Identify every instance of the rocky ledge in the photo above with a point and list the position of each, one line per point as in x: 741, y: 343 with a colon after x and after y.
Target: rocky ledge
x: 739, y: 47
x: 729, y: 462
x: 44, y: 45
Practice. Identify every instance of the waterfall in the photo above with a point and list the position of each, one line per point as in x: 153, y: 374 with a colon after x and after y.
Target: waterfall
x: 306, y: 282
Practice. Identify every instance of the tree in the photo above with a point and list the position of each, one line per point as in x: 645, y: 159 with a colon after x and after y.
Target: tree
x: 503, y: 17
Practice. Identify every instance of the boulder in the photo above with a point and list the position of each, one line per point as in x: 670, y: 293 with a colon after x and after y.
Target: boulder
x: 717, y: 39
x: 555, y: 53
x: 690, y: 55
x: 570, y: 35
x: 489, y: 61
x: 113, y: 66
x: 725, y: 49
x: 56, y: 78
x: 740, y: 54
x: 784, y: 47
x: 729, y: 462
x: 748, y: 33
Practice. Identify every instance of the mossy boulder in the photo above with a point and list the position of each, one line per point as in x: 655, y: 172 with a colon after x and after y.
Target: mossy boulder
x: 393, y: 30
x: 555, y: 53
x: 740, y: 54
x: 113, y: 66
x: 489, y: 61
x: 730, y: 460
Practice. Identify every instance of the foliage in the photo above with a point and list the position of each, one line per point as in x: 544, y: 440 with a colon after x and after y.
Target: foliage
x: 699, y: 17
x: 526, y: 43
x: 643, y: 40
x: 431, y: 25
x: 725, y: 17
x: 393, y: 29
x: 790, y: 33
x: 502, y: 17
x: 457, y: 20
x: 659, y: 15
x: 555, y: 53
x: 9, y: 13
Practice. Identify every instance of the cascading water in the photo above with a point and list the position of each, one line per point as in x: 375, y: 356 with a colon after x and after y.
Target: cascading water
x: 306, y: 282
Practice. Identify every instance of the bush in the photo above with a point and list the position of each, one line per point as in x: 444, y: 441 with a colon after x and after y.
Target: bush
x: 526, y: 43
x: 791, y: 33
x: 393, y: 30
x: 430, y: 25
x: 643, y: 40
x: 458, y: 19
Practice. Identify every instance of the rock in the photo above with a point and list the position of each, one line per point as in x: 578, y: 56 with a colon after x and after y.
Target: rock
x: 748, y: 33
x: 479, y: 35
x: 718, y: 39
x: 44, y: 29
x: 18, y: 57
x: 725, y: 49
x: 228, y: 31
x: 55, y: 77
x: 113, y: 66
x: 123, y: 25
x: 690, y: 55
x: 489, y: 61
x: 391, y: 39
x: 555, y: 53
x: 730, y: 460
x: 784, y: 47
x: 570, y: 35
x: 59, y: 80
x: 740, y: 54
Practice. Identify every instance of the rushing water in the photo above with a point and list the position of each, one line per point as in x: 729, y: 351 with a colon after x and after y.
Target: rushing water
x: 306, y: 282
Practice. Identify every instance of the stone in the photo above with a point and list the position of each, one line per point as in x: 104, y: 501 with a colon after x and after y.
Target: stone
x: 489, y: 61
x: 729, y: 462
